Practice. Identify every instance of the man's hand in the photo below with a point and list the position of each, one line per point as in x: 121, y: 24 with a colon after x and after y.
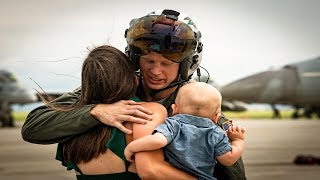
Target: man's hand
x: 117, y: 113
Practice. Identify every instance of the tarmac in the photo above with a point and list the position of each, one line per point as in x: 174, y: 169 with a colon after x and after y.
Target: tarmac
x: 270, y: 149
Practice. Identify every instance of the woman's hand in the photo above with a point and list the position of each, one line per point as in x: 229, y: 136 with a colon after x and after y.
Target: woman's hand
x: 117, y: 113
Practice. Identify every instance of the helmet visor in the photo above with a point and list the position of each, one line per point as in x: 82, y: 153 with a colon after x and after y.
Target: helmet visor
x: 174, y: 40
x: 173, y: 49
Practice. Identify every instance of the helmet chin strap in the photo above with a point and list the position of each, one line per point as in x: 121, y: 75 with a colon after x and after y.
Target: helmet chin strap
x: 172, y: 84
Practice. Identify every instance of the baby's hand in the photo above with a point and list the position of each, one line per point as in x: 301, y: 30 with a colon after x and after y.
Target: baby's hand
x: 235, y: 132
x: 129, y: 154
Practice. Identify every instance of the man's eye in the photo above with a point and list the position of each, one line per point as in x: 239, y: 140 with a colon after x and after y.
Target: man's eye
x: 166, y: 64
x: 149, y: 61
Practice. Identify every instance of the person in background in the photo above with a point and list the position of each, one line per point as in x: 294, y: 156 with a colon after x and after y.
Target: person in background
x: 165, y: 48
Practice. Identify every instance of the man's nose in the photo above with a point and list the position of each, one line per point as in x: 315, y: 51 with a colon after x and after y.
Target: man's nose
x: 156, y: 69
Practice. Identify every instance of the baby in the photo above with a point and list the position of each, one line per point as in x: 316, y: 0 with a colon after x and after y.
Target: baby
x: 192, y: 140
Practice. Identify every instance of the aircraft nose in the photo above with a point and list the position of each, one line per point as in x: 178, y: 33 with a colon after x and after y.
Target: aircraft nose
x: 31, y: 95
x: 27, y: 96
x: 246, y: 89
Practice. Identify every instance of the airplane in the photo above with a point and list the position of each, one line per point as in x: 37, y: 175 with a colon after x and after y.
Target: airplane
x: 12, y: 92
x: 296, y: 84
x: 236, y: 106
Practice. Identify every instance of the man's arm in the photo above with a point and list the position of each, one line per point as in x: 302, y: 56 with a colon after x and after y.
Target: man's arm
x: 147, y: 143
x: 46, y: 126
x: 151, y: 164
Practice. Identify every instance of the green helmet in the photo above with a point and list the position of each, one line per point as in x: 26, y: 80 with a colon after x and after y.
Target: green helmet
x: 169, y: 33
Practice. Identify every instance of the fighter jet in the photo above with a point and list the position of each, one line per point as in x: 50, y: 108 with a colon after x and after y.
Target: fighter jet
x: 296, y: 84
x: 236, y: 106
x: 12, y: 92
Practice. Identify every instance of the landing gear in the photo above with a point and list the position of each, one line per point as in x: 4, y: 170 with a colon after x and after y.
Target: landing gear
x: 276, y: 112
x: 6, y: 119
x: 307, y: 112
x: 295, y: 114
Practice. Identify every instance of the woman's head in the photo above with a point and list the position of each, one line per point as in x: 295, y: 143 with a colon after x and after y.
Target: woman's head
x: 107, y: 76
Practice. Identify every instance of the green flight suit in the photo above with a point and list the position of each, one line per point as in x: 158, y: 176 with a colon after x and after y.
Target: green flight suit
x: 45, y: 126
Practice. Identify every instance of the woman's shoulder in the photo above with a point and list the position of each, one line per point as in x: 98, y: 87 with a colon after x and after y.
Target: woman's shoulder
x: 159, y: 113
x: 156, y: 108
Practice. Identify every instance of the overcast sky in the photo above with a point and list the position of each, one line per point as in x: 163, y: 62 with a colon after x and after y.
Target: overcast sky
x: 47, y: 40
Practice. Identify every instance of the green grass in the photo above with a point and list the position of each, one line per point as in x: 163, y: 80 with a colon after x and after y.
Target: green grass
x: 19, y: 116
x: 257, y: 114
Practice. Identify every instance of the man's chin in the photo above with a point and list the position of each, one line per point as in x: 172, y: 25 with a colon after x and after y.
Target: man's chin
x: 156, y: 86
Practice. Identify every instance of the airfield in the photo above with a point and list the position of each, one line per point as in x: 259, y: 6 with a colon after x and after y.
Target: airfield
x: 270, y: 148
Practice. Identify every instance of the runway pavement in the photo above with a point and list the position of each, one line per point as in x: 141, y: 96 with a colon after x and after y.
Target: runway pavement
x: 271, y: 146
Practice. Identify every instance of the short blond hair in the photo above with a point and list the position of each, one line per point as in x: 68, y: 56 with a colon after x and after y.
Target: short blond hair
x: 199, y: 99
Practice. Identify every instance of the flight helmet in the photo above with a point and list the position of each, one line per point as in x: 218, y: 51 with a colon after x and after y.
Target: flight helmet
x: 169, y: 33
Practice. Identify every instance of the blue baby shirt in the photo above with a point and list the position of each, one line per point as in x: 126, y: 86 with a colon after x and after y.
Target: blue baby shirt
x: 193, y: 144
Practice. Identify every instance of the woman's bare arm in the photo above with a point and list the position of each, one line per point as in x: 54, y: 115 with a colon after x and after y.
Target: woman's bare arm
x: 151, y: 164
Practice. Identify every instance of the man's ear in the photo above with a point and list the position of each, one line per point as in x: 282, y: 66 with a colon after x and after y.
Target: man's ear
x: 174, y: 109
x: 136, y: 79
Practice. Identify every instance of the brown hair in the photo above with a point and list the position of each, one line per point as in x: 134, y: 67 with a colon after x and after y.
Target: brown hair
x: 107, y: 77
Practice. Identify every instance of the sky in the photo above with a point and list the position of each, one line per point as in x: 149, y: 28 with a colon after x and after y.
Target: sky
x: 44, y: 42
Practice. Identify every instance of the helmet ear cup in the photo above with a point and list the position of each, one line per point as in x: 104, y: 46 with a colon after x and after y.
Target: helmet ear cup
x: 184, y: 69
x: 134, y: 58
x: 188, y: 66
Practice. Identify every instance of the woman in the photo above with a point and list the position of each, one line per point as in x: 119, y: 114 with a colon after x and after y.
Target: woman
x: 107, y: 77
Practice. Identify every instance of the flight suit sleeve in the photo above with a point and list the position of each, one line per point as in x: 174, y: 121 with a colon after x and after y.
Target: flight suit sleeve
x: 46, y: 126
x: 234, y: 172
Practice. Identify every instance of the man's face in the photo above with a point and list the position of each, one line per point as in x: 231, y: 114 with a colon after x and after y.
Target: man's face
x: 157, y: 71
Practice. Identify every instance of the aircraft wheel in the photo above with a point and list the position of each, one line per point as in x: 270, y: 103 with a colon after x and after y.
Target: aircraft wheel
x: 11, y: 122
x: 8, y: 122
x: 318, y: 113
x: 295, y: 115
x: 2, y: 120
x: 308, y: 113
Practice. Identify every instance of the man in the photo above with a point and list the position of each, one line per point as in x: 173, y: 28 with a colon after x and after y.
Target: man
x: 166, y: 50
